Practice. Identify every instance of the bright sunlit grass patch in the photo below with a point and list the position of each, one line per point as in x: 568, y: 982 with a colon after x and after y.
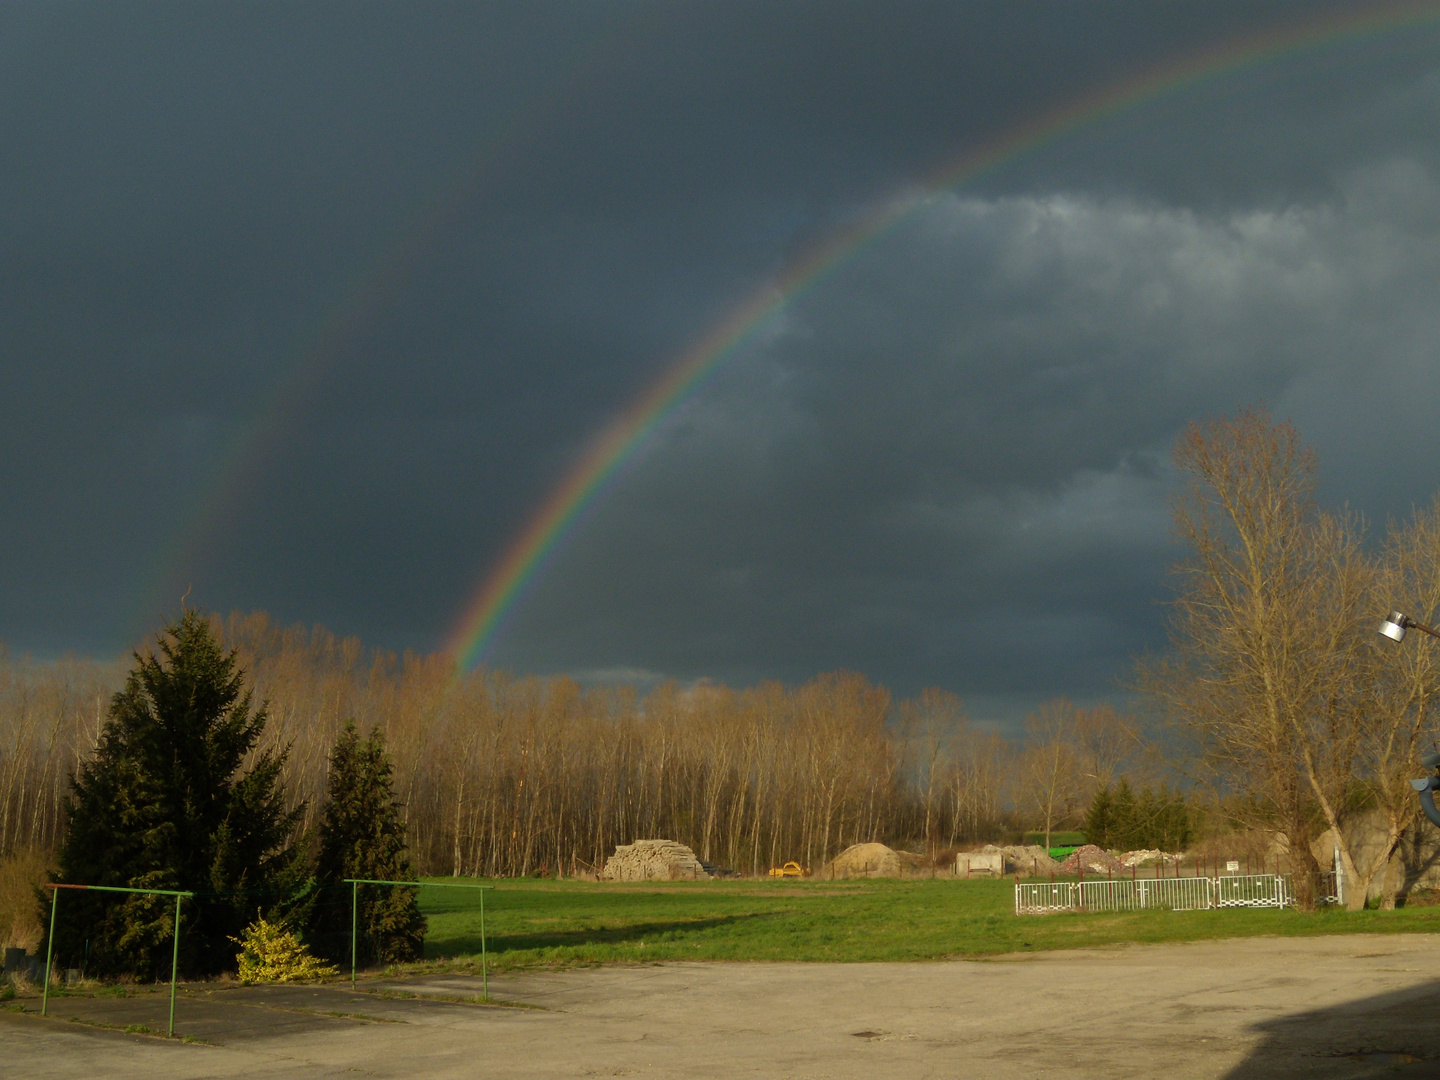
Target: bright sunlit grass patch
x: 551, y: 924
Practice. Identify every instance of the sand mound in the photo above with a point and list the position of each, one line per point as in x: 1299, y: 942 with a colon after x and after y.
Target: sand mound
x: 865, y: 860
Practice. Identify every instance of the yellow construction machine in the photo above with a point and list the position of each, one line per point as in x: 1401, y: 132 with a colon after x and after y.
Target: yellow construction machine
x: 790, y: 869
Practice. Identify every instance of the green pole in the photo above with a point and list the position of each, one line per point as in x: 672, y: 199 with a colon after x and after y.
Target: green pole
x: 355, y: 884
x: 50, y: 950
x: 354, y: 926
x: 174, y: 964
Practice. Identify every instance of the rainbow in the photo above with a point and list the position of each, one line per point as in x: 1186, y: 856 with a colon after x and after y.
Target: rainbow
x: 624, y: 438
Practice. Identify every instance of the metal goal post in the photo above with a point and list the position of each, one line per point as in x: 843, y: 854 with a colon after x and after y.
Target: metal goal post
x: 55, y: 888
x: 355, y: 884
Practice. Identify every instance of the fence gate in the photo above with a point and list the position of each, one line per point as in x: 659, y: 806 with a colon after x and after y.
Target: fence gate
x: 1041, y: 898
x: 1252, y: 890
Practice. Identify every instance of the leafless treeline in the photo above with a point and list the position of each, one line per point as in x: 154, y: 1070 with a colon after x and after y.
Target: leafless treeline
x: 50, y: 715
x: 505, y: 776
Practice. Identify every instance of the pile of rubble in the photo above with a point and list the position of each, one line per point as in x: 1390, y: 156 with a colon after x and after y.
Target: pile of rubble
x: 1091, y: 859
x: 654, y: 860
x: 1139, y: 858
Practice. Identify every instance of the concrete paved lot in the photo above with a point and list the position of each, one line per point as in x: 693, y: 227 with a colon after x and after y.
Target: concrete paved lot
x: 1325, y: 1007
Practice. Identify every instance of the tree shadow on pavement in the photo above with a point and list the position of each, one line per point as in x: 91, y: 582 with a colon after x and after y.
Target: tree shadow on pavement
x: 1395, y: 1034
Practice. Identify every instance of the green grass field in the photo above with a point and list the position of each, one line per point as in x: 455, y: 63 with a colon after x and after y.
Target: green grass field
x: 533, y: 924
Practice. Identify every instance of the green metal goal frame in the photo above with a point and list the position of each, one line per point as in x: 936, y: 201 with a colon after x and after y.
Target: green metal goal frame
x: 355, y: 884
x: 55, y: 888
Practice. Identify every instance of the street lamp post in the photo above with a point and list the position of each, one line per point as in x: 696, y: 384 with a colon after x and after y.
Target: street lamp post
x: 1394, y: 628
x: 1398, y: 622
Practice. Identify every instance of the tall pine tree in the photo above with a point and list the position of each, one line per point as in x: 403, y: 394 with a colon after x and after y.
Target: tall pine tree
x: 1122, y: 817
x: 1123, y: 821
x: 363, y: 836
x: 1100, y: 821
x: 165, y: 804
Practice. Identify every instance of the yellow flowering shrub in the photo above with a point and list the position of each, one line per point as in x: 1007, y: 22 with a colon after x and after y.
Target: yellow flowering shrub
x: 270, y: 953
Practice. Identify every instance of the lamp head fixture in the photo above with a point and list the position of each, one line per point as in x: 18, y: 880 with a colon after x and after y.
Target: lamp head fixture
x: 1395, y: 626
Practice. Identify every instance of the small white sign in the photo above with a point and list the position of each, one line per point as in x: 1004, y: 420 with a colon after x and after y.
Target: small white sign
x: 1232, y: 867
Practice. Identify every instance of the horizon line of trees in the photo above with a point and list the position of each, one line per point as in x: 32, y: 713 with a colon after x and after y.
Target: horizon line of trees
x: 500, y: 776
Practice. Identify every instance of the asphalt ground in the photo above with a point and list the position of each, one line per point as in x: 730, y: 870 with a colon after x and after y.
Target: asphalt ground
x: 1332, y: 1007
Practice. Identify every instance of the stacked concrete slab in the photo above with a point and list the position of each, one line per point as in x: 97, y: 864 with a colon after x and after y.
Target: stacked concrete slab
x: 653, y: 860
x: 978, y: 863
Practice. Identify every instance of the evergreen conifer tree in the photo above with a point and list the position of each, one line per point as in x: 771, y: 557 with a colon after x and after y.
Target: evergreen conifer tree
x: 1099, y: 822
x: 1146, y: 830
x: 164, y: 804
x: 1122, y: 820
x: 1122, y: 817
x: 363, y: 836
x: 1175, y: 829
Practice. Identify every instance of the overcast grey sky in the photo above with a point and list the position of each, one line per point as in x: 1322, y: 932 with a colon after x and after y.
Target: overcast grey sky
x: 310, y: 305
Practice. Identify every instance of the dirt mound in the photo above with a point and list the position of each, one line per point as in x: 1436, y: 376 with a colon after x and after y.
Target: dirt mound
x: 865, y: 860
x: 653, y: 860
x: 1091, y: 859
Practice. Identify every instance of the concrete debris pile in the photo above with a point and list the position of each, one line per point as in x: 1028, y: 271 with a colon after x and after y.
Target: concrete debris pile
x: 653, y: 860
x: 1091, y: 859
x: 1140, y: 858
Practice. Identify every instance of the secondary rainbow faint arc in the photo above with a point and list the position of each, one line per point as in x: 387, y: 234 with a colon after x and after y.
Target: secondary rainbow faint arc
x: 481, y: 619
x: 223, y: 495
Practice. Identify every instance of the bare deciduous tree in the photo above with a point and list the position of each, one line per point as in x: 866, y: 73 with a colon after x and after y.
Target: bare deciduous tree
x: 1049, y: 766
x: 1403, y: 688
x: 934, y: 725
x: 1267, y: 629
x: 1105, y: 741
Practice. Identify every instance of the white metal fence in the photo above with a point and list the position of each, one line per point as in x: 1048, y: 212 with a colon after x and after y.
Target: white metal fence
x: 1041, y: 898
x: 1171, y: 894
x: 1253, y: 890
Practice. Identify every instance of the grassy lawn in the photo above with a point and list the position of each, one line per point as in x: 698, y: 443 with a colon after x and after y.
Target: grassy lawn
x: 556, y: 924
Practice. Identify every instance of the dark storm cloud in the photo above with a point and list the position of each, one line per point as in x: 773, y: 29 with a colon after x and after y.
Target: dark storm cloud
x: 496, y: 225
x: 953, y: 458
